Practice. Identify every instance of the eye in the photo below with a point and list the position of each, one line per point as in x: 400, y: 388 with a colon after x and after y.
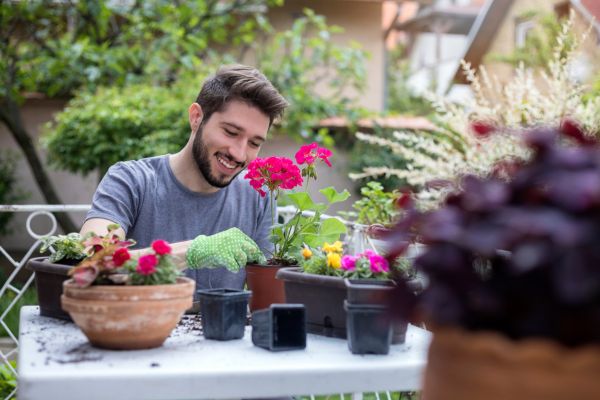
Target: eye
x: 256, y: 145
x: 230, y: 133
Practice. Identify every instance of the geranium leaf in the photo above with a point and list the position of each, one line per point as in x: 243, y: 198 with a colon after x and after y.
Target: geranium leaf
x: 334, y: 196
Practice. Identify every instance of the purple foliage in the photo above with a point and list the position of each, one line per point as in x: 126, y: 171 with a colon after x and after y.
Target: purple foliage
x: 545, y: 219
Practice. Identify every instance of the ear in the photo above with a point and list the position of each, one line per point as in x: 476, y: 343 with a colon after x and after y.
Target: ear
x: 195, y: 116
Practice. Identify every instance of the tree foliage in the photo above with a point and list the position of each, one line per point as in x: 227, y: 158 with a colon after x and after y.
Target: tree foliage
x: 56, y: 48
x: 140, y: 120
x: 318, y: 78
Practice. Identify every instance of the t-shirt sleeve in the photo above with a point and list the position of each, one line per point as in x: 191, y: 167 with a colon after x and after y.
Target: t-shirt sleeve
x: 118, y: 196
x: 263, y: 227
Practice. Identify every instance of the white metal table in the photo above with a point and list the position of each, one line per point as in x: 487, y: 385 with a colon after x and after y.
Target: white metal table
x: 56, y: 362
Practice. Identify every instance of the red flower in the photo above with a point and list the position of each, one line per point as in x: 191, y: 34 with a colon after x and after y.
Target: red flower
x: 310, y: 152
x: 161, y: 247
x: 482, y: 129
x: 147, y: 264
x: 120, y: 256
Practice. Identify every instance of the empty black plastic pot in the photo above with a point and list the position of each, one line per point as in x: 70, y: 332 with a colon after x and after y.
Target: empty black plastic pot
x: 280, y: 327
x: 223, y: 313
x: 368, y: 328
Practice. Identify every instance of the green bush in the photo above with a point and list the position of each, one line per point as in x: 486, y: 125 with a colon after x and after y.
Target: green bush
x: 12, y: 318
x: 314, y: 75
x: 9, y: 194
x: 8, y: 381
x: 96, y: 130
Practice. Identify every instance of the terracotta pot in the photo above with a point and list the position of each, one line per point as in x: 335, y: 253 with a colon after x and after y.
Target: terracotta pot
x: 127, y: 317
x: 266, y: 289
x: 49, y: 278
x: 487, y: 366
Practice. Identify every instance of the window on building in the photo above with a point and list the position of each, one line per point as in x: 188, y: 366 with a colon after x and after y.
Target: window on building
x: 522, y: 29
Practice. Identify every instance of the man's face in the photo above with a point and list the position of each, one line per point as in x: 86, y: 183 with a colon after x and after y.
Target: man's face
x: 230, y: 139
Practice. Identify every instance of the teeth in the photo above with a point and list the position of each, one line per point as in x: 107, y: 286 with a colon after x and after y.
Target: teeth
x: 225, y: 163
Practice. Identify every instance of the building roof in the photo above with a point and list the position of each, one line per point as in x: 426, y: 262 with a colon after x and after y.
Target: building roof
x: 395, y: 122
x: 458, y: 19
x: 491, y: 18
x: 482, y: 32
x: 589, y: 9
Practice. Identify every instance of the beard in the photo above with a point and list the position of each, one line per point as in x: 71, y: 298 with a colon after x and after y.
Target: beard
x: 202, y: 159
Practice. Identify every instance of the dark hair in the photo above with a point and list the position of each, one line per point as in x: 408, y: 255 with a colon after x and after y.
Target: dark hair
x: 240, y: 82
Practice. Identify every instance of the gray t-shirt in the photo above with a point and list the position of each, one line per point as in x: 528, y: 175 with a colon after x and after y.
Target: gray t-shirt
x: 145, y: 198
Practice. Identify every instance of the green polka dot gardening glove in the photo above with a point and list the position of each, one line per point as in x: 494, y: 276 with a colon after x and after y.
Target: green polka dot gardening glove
x: 231, y: 249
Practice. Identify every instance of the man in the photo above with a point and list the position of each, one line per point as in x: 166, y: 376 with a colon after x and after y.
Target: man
x: 198, y: 191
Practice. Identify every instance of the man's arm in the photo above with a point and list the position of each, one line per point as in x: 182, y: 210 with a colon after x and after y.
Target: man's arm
x: 100, y: 227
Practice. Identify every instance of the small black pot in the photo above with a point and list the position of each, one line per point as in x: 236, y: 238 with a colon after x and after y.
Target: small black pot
x: 223, y: 313
x: 375, y: 292
x: 49, y: 278
x: 280, y: 327
x: 369, y: 329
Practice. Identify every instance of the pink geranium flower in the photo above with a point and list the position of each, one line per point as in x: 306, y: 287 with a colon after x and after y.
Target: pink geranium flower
x: 273, y: 173
x: 310, y: 152
x: 161, y: 247
x: 147, y: 264
x: 349, y: 263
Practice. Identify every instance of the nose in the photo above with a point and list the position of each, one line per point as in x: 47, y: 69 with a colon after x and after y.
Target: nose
x: 237, y: 151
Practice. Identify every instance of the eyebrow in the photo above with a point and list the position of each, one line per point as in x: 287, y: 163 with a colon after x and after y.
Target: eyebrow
x: 235, y: 126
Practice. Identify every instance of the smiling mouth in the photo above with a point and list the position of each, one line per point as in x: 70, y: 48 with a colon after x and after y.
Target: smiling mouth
x: 227, y: 164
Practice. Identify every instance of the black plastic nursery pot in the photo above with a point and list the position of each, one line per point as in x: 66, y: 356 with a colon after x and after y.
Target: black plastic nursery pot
x: 280, y: 327
x: 223, y: 313
x: 376, y: 292
x: 369, y: 328
x: 49, y: 278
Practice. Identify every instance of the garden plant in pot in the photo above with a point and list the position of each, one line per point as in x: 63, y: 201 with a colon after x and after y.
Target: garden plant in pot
x: 319, y: 283
x: 124, y: 303
x: 522, y: 323
x: 375, y: 212
x: 51, y: 271
x: 275, y: 174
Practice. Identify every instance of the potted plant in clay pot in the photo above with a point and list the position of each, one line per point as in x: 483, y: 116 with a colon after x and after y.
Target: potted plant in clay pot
x: 51, y: 271
x: 319, y: 284
x: 276, y: 174
x: 124, y: 303
x: 523, y: 323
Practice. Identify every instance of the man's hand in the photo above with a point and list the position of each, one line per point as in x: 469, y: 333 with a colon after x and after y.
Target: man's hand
x: 231, y: 249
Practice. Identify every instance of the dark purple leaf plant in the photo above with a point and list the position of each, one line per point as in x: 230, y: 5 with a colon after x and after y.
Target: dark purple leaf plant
x: 517, y: 252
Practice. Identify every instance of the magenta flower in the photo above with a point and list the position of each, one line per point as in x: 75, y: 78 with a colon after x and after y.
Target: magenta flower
x: 161, y: 247
x: 310, y: 152
x: 274, y: 173
x: 378, y: 264
x: 349, y: 263
x: 120, y: 256
x: 147, y: 264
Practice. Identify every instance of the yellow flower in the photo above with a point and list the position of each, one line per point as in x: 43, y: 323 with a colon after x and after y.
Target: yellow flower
x: 334, y: 260
x: 306, y: 253
x: 333, y: 248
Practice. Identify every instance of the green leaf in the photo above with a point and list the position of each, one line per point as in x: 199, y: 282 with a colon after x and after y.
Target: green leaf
x: 334, y: 196
x: 304, y: 202
x: 330, y: 230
